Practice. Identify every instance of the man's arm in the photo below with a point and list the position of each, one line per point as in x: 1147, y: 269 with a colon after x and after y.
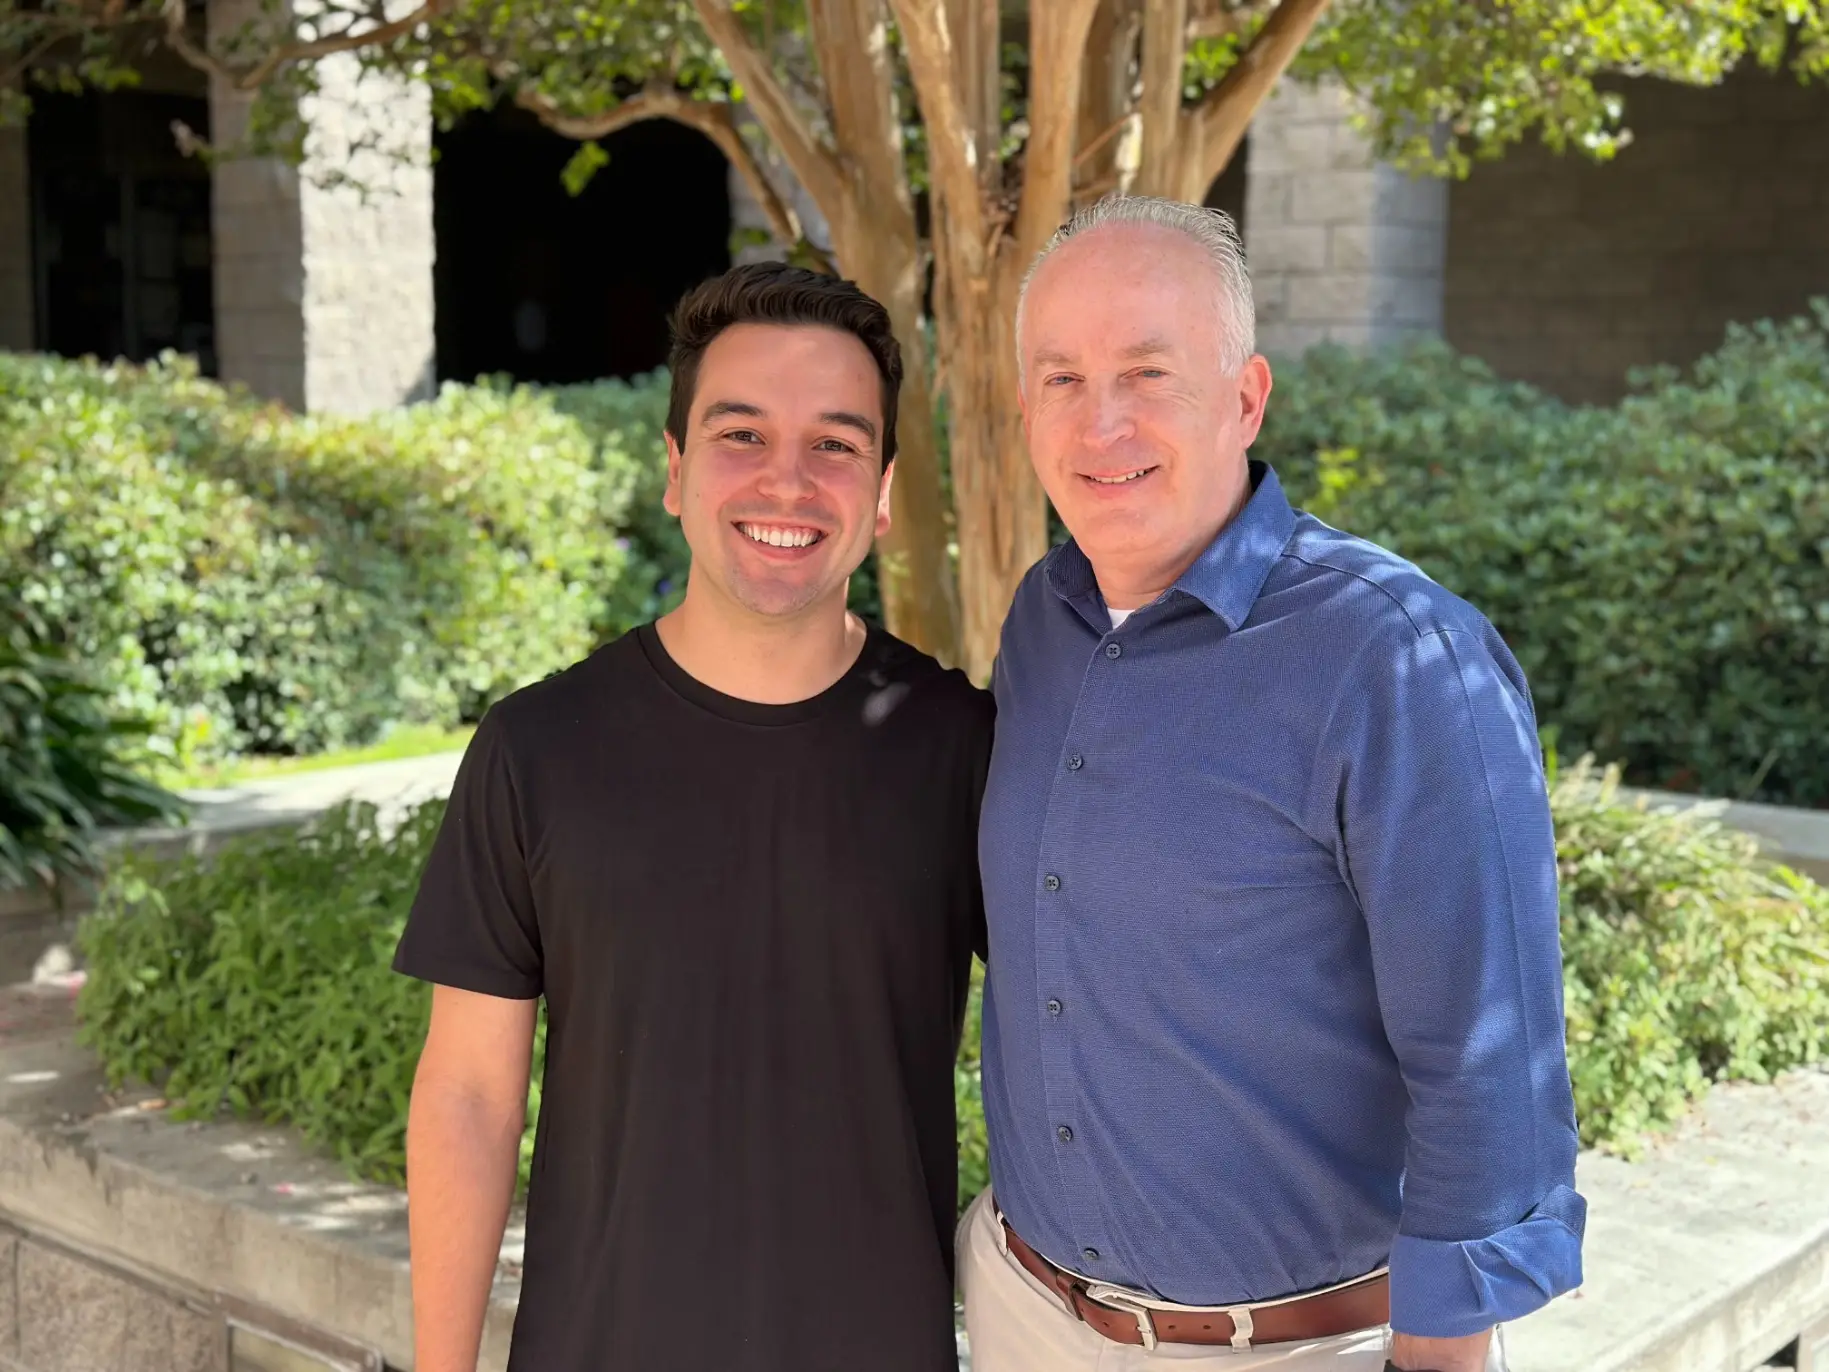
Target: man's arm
x: 463, y: 1140
x: 1446, y: 838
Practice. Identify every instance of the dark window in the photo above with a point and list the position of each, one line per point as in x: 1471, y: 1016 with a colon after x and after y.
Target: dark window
x: 547, y: 287
x: 120, y: 227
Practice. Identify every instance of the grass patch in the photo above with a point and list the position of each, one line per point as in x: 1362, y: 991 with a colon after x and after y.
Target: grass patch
x: 417, y: 740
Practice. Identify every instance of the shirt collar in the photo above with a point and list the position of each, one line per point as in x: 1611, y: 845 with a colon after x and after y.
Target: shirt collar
x: 1228, y: 575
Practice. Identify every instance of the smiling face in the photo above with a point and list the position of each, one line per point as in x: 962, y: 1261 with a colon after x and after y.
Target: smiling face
x: 781, y: 487
x: 1137, y: 428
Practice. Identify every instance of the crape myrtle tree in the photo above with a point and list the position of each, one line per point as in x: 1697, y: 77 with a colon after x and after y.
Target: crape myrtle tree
x: 943, y: 141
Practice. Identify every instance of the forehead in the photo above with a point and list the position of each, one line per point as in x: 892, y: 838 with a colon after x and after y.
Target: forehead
x: 1118, y: 286
x: 788, y: 367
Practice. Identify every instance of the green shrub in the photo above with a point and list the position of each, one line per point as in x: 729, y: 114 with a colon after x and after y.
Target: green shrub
x: 1687, y: 960
x: 68, y: 766
x: 259, y: 981
x: 1661, y: 569
x: 259, y: 582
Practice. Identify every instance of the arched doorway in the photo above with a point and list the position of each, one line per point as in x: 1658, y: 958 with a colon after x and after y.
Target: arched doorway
x: 547, y: 287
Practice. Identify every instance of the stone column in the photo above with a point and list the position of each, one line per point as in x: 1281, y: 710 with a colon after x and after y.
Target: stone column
x: 324, y: 294
x: 1343, y: 248
x: 16, y: 308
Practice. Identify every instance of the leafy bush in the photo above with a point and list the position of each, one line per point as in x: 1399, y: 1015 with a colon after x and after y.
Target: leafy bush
x: 256, y: 581
x: 1687, y: 960
x: 259, y: 980
x: 1661, y: 569
x: 68, y: 766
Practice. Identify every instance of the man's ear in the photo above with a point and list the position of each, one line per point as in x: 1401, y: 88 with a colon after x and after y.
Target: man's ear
x: 670, y: 502
x: 1253, y: 396
x: 882, y: 499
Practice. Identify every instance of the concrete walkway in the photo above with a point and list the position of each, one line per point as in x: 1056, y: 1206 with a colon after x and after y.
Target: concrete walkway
x: 286, y: 799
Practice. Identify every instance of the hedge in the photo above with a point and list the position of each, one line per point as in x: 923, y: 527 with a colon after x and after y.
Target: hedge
x: 254, y: 581
x: 1660, y: 568
x: 257, y: 582
x: 258, y: 981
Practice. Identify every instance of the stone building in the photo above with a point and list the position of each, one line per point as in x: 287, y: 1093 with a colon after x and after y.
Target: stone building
x: 1555, y: 270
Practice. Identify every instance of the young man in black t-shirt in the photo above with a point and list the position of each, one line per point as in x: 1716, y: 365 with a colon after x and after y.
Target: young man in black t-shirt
x: 735, y: 851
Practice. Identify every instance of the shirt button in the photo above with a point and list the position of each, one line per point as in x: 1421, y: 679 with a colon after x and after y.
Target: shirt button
x: 1090, y: 1254
x: 1075, y: 762
x: 1051, y: 882
x: 1054, y: 1007
x: 1114, y: 650
x: 1064, y: 1134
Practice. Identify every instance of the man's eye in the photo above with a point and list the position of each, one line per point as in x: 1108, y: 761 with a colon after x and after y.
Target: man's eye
x: 1059, y: 379
x: 742, y: 436
x: 835, y: 445
x: 1151, y: 373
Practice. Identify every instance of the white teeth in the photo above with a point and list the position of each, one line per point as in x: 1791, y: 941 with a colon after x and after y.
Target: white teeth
x: 780, y: 538
x: 1120, y: 480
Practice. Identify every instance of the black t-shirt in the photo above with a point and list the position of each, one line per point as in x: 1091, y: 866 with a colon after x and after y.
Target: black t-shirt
x: 753, y: 927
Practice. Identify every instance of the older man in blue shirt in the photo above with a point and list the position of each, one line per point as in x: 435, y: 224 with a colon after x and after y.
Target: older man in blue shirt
x: 1273, y: 1038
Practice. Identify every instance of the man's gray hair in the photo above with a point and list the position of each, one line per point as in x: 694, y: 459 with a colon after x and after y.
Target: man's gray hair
x: 1213, y: 230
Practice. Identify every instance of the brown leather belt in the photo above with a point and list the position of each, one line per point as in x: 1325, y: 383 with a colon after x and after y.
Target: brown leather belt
x: 1323, y: 1315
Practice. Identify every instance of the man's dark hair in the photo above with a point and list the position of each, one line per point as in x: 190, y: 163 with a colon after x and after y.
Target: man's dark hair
x: 775, y: 293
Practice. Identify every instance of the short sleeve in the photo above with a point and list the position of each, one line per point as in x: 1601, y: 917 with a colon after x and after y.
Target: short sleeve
x: 473, y: 925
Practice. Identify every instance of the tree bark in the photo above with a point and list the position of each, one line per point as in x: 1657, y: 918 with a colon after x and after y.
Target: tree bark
x: 878, y: 246
x: 864, y: 197
x: 980, y: 253
x: 1104, y: 161
x: 1212, y: 130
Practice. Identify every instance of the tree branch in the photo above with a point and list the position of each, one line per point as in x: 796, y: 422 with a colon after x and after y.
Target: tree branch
x: 656, y: 101
x: 1105, y: 98
x: 1216, y: 126
x: 977, y: 52
x: 252, y: 78
x: 1165, y: 27
x: 857, y: 66
x: 955, y: 159
x: 815, y: 165
x: 1057, y: 51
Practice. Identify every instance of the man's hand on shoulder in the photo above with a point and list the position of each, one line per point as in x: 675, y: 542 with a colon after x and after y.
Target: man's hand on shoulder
x: 1411, y: 1353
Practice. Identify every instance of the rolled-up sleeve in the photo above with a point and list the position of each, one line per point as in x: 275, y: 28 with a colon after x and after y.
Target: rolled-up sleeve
x: 1446, y: 837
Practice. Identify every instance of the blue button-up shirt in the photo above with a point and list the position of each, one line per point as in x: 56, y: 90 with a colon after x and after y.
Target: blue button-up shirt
x: 1275, y: 987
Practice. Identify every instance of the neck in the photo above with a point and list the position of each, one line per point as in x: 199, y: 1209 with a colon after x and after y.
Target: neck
x: 1129, y: 583
x: 770, y: 661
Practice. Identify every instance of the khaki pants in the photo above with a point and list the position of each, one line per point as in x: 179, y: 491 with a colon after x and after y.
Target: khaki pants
x: 1015, y: 1324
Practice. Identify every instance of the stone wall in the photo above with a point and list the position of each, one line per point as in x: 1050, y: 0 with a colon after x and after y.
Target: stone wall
x: 16, y: 331
x: 1343, y: 249
x: 324, y: 296
x: 368, y: 303
x: 66, y: 1310
x: 1566, y: 273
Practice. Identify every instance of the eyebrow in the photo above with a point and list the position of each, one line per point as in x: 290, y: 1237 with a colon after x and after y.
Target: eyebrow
x: 1149, y: 347
x: 850, y: 420
x: 719, y: 408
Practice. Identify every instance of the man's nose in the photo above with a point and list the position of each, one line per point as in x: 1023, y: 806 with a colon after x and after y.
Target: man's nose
x: 1108, y: 418
x: 786, y: 476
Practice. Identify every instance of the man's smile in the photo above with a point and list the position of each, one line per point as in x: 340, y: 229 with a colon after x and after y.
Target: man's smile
x: 790, y: 536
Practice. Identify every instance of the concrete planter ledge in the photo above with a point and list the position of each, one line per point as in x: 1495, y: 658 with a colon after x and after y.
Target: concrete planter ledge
x: 118, y: 1223
x: 1709, y: 1255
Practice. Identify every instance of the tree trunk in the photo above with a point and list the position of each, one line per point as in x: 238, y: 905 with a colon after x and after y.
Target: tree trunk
x: 914, y: 562
x: 1002, y: 514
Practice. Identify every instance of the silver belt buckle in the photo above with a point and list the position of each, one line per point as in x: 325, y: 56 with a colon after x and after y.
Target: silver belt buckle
x: 1123, y: 1300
